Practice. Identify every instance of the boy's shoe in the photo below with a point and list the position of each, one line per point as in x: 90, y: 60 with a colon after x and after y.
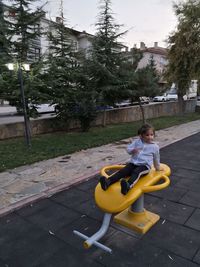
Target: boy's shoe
x: 125, y: 186
x: 104, y: 183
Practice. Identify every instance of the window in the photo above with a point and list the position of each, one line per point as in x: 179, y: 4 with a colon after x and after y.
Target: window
x: 37, y: 53
x: 36, y: 28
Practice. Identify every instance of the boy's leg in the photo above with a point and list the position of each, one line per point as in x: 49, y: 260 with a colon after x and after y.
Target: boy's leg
x: 135, y: 176
x: 124, y: 172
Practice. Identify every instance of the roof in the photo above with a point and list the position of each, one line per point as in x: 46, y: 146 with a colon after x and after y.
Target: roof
x: 156, y: 50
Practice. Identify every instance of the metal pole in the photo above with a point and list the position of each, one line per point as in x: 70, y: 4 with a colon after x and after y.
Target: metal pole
x: 138, y: 205
x: 27, y: 129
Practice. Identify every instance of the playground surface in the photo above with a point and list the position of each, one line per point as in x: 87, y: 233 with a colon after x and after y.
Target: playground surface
x: 41, y: 234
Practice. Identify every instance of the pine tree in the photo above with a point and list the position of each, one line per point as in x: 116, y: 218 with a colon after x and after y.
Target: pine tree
x: 5, y: 45
x: 62, y: 69
x: 145, y: 84
x: 106, y: 59
x: 24, y: 30
x: 4, y: 36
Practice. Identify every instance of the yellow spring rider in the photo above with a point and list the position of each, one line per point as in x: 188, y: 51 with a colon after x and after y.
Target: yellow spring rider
x: 129, y: 208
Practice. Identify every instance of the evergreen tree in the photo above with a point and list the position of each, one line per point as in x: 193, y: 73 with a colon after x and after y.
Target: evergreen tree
x: 69, y: 84
x: 106, y: 59
x: 146, y: 84
x: 25, y: 30
x: 5, y: 45
x: 4, y: 36
x: 62, y: 71
x: 184, y: 48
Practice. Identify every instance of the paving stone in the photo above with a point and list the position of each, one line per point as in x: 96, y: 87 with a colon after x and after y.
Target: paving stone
x: 197, y: 257
x: 34, y: 207
x: 17, y: 186
x: 2, y: 192
x: 53, y: 217
x: 7, y: 178
x: 71, y: 197
x: 11, y: 227
x: 31, y: 171
x: 89, y: 208
x: 191, y: 198
x: 170, y: 193
x: 3, y: 263
x: 129, y: 252
x: 5, y: 200
x: 35, y: 188
x: 24, y: 244
x: 174, y: 180
x: 73, y: 258
x: 188, y: 174
x: 30, y: 248
x: 170, y: 260
x: 192, y: 184
x: 89, y: 186
x: 171, y: 211
x: 149, y: 200
x: 175, y: 238
x: 194, y: 220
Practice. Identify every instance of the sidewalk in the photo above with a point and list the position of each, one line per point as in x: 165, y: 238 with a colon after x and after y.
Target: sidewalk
x: 26, y: 184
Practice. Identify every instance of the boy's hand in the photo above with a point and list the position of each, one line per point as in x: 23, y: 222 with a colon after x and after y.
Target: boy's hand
x: 136, y: 150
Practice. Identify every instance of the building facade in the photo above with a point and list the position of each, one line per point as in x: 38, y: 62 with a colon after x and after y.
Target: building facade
x: 159, y: 55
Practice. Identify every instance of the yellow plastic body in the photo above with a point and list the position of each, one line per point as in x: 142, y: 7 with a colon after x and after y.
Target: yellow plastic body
x: 112, y: 201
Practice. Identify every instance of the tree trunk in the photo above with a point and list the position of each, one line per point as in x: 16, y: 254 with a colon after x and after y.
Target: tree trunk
x: 181, y: 104
x: 104, y: 118
x: 142, y: 111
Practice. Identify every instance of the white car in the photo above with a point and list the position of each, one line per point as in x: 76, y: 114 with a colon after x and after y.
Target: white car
x: 45, y: 108
x: 160, y: 98
x: 172, y: 97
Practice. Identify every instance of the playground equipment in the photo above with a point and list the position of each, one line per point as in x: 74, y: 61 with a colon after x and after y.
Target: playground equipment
x: 129, y: 208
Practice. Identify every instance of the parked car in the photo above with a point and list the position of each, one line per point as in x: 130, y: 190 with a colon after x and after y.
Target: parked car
x: 160, y: 98
x: 128, y: 103
x: 144, y: 99
x: 125, y: 103
x: 107, y: 107
x: 45, y: 108
x: 172, y: 97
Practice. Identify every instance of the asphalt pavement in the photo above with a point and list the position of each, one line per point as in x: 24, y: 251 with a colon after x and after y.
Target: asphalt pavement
x: 40, y: 234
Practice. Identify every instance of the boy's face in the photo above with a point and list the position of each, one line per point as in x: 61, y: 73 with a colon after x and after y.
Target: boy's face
x: 148, y: 136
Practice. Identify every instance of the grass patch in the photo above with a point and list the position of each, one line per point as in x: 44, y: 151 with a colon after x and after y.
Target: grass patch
x: 14, y: 153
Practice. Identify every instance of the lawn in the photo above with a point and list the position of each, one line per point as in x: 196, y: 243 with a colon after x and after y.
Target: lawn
x: 14, y: 153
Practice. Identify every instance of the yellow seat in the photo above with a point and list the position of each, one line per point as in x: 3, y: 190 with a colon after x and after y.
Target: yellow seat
x: 112, y: 201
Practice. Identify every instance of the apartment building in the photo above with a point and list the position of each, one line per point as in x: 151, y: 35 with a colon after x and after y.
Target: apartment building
x: 159, y: 55
x: 81, y: 40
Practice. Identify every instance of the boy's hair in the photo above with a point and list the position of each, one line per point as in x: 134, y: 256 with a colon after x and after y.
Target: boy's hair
x: 145, y: 128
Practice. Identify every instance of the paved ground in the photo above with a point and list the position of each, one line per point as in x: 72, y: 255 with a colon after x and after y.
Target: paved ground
x: 28, y: 183
x: 41, y: 233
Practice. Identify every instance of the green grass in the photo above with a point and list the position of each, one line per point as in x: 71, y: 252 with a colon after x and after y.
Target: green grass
x: 14, y: 153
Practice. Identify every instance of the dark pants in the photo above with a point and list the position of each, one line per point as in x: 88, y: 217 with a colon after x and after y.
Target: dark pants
x: 134, y: 171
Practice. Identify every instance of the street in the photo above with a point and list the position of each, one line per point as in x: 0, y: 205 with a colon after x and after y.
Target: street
x: 8, y: 115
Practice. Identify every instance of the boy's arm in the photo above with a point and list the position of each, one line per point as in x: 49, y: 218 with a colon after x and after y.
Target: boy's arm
x: 156, y: 160
x: 131, y: 147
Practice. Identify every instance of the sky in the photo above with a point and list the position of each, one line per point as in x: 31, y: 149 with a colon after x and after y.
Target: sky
x: 147, y: 21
